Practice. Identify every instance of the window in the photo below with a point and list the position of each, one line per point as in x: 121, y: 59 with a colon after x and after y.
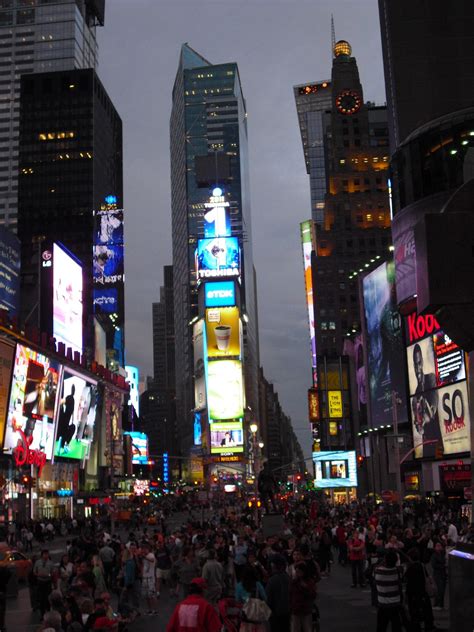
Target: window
x: 357, y: 142
x: 369, y: 217
x: 324, y: 325
x: 332, y: 325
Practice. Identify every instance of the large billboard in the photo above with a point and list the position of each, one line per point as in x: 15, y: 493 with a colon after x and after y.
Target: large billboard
x: 9, y: 271
x: 439, y: 402
x: 108, y: 264
x: 76, y: 416
x: 309, y: 245
x: 200, y: 400
x: 223, y: 332
x: 227, y: 437
x: 225, y: 390
x: 33, y: 402
x: 335, y: 469
x: 218, y: 257
x: 385, y: 347
x: 7, y: 351
x: 133, y: 378
x: 219, y: 294
x: 67, y: 298
x: 139, y: 447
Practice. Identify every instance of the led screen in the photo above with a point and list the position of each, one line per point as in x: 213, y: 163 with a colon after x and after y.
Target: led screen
x: 217, y: 222
x: 227, y: 437
x: 9, y: 271
x: 223, y: 332
x: 438, y: 389
x: 200, y: 400
x: 219, y: 257
x: 67, y: 299
x: 108, y: 264
x: 133, y: 380
x: 33, y: 401
x: 76, y: 416
x: 219, y: 294
x: 139, y: 448
x: 197, y: 432
x: 108, y: 227
x: 335, y: 469
x: 225, y: 393
x: 105, y: 301
x: 308, y: 247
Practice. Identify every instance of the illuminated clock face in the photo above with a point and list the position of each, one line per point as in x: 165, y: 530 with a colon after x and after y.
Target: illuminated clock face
x: 348, y: 102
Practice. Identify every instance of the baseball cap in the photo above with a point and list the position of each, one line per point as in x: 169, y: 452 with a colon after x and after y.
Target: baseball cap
x: 200, y: 582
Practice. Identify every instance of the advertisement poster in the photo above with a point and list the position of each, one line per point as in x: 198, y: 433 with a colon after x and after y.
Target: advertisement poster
x: 9, y: 271
x: 76, y: 417
x: 6, y: 366
x: 449, y: 359
x: 200, y: 400
x: 227, y: 437
x: 385, y: 347
x: 217, y: 222
x: 223, y: 332
x: 335, y: 469
x: 225, y: 392
x: 219, y: 294
x: 139, y: 447
x: 113, y: 413
x: 108, y: 227
x: 67, y: 299
x: 307, y: 242
x: 105, y: 301
x: 108, y: 264
x: 335, y: 404
x: 455, y: 420
x: 33, y: 401
x: 219, y: 257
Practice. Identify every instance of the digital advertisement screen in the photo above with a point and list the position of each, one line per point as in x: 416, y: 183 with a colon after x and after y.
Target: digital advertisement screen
x: 219, y: 294
x: 133, y: 378
x: 438, y: 389
x: 67, y: 298
x: 335, y: 404
x: 335, y: 469
x: 139, y: 448
x: 227, y: 437
x: 223, y: 332
x: 308, y: 247
x: 217, y: 222
x: 197, y: 429
x: 225, y: 392
x: 108, y: 227
x: 33, y: 401
x: 10, y: 256
x: 219, y: 257
x: 105, y: 301
x: 108, y: 264
x: 76, y: 416
x: 200, y: 400
x: 385, y: 346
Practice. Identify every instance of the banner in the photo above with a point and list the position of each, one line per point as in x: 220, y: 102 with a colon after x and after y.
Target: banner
x: 223, y: 332
x: 200, y: 401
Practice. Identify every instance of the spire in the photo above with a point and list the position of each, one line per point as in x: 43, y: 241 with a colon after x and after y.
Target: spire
x: 333, y: 35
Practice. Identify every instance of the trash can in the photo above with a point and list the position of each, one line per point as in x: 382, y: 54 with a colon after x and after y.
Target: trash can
x: 461, y: 588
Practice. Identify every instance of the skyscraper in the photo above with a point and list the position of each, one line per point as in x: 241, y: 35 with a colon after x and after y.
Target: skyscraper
x: 346, y: 154
x: 37, y: 36
x: 71, y: 165
x: 208, y: 158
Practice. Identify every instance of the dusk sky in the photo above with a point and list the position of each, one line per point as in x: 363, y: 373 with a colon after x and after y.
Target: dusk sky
x: 277, y: 44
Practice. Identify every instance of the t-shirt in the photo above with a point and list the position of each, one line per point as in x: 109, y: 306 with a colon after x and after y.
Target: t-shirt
x: 148, y: 568
x: 43, y: 569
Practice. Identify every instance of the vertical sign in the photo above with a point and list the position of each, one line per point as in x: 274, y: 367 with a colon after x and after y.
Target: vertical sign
x: 308, y: 240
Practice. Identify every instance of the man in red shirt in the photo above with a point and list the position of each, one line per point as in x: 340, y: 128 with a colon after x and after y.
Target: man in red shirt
x: 341, y: 537
x: 356, y: 546
x: 194, y: 614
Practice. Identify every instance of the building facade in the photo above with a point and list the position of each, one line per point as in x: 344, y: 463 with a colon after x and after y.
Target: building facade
x: 209, y: 161
x: 35, y: 37
x: 70, y: 162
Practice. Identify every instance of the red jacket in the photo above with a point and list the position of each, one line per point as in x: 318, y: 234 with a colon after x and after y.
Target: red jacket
x: 194, y: 614
x: 356, y: 549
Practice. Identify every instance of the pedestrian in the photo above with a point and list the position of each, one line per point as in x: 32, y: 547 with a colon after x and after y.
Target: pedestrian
x: 419, y: 603
x: 43, y: 571
x: 187, y: 569
x: 438, y: 563
x: 388, y: 582
x: 302, y: 596
x: 149, y: 578
x: 98, y: 572
x: 356, y: 548
x: 278, y: 595
x: 213, y: 573
x: 107, y: 556
x: 194, y: 613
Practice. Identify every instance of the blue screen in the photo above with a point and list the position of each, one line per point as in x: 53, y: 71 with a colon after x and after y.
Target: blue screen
x: 335, y: 469
x: 218, y: 257
x: 220, y: 294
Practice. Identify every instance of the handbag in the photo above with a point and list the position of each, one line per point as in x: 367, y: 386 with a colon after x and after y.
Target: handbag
x: 255, y: 610
x: 430, y: 586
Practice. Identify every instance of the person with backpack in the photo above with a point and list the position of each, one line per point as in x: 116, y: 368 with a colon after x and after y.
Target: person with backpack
x: 250, y: 592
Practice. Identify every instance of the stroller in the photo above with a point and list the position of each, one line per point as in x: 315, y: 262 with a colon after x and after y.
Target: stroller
x: 230, y: 613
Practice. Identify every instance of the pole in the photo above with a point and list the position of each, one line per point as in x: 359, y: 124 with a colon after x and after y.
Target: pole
x: 255, y: 474
x: 397, y: 452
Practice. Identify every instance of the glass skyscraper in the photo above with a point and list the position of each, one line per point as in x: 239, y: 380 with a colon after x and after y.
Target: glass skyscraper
x: 208, y: 148
x: 37, y: 36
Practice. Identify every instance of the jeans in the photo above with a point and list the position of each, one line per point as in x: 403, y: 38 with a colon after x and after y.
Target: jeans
x: 301, y: 623
x: 386, y: 615
x: 357, y: 567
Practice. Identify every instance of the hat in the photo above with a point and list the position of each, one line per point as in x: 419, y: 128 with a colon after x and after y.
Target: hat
x: 200, y: 582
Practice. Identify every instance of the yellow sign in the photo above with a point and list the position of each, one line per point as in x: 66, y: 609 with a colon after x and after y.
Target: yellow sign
x: 223, y: 332
x: 333, y: 428
x: 335, y: 404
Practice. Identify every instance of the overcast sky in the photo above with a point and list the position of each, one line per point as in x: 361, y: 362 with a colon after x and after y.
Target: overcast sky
x: 277, y: 44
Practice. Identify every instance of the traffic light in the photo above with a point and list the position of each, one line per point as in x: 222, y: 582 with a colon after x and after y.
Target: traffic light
x: 360, y: 460
x: 25, y: 479
x: 298, y: 477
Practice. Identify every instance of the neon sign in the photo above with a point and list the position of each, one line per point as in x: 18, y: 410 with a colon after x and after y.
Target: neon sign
x: 24, y: 455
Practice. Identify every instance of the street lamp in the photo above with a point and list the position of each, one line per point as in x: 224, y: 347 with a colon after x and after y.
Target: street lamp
x: 255, y: 451
x: 253, y: 428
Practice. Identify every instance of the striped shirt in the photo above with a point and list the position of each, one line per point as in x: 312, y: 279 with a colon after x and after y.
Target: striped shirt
x: 388, y: 585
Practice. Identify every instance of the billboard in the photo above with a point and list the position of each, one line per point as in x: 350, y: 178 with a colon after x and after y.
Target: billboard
x: 197, y: 429
x: 9, y: 271
x: 106, y: 300
x: 308, y: 241
x: 313, y: 405
x: 67, y: 298
x: 108, y: 228
x: 7, y: 351
x: 335, y: 469
x: 227, y: 437
x: 385, y: 347
x: 108, y: 264
x: 33, y: 402
x: 218, y: 257
x: 139, y: 447
x: 223, y: 332
x: 76, y: 415
x: 335, y: 407
x: 200, y: 400
x: 133, y: 378
x: 439, y: 401
x: 219, y: 294
x: 113, y: 414
x: 225, y: 390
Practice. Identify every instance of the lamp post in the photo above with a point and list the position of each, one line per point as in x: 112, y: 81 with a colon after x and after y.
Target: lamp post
x: 255, y: 447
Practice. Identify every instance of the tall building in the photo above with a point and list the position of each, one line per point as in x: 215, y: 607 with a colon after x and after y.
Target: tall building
x: 209, y: 165
x: 71, y: 165
x: 348, y: 169
x: 37, y: 36
x: 428, y: 61
x: 163, y: 335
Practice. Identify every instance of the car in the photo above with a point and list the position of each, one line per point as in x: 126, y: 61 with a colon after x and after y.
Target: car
x: 15, y: 559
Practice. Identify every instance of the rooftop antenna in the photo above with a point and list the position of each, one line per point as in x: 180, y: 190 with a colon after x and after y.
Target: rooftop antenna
x: 333, y: 35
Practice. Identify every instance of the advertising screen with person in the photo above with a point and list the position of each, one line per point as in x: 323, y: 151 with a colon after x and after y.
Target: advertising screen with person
x: 226, y: 437
x: 33, y: 402
x: 76, y: 415
x: 139, y: 447
x: 335, y: 469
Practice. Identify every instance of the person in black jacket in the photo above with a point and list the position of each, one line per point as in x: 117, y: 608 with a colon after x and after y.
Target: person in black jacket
x: 419, y: 604
x: 278, y: 595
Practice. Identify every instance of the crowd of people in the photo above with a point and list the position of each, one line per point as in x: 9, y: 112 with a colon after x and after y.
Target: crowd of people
x: 227, y: 572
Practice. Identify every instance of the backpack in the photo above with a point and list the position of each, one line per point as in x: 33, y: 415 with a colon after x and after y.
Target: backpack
x: 255, y: 610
